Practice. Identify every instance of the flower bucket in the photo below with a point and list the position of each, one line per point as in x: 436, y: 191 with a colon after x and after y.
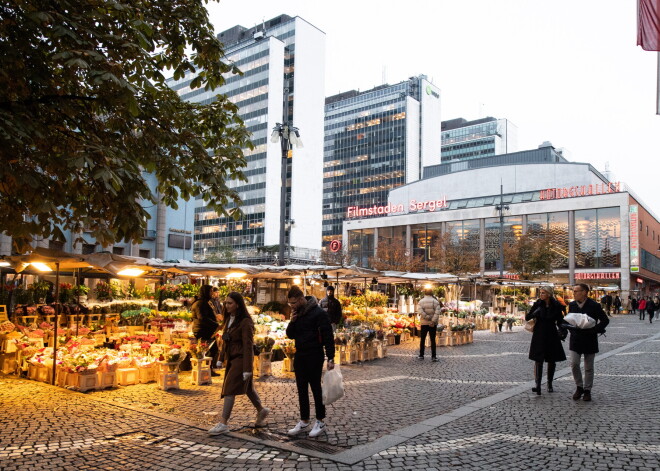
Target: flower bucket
x: 397, y: 339
x: 264, y: 366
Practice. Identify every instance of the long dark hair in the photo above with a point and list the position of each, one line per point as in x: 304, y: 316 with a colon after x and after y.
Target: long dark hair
x: 241, y: 311
x: 205, y: 293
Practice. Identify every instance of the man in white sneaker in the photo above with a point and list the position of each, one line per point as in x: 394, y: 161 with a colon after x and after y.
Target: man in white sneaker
x: 310, y: 328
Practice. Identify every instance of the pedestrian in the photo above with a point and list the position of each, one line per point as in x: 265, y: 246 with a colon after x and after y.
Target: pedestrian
x: 332, y: 307
x: 584, y: 342
x: 238, y: 355
x: 617, y: 304
x: 606, y: 301
x: 311, y: 330
x: 642, y: 308
x: 546, y: 345
x: 650, y: 308
x: 633, y: 305
x: 429, y: 310
x: 205, y: 323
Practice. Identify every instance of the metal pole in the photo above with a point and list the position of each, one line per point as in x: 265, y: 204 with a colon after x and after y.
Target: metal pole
x: 501, y: 209
x: 57, y: 312
x: 284, y: 141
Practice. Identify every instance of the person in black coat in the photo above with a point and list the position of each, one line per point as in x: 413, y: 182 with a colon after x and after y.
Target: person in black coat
x: 311, y: 330
x: 205, y: 322
x: 585, y: 341
x: 546, y: 344
x: 651, y: 306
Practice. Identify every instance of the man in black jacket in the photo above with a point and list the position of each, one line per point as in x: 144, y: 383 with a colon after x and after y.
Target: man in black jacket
x: 332, y: 306
x: 310, y: 328
x: 585, y: 341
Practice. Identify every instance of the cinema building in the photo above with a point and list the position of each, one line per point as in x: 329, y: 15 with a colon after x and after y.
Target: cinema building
x: 600, y: 232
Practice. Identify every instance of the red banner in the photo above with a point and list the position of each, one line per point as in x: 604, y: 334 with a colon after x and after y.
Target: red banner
x: 648, y: 25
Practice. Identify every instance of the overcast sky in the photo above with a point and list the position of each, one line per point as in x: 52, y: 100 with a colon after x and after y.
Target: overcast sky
x: 565, y: 71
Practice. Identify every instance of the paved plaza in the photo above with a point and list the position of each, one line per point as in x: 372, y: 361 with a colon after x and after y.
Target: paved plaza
x: 472, y: 410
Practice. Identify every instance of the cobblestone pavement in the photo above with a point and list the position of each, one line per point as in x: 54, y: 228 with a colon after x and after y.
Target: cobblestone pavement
x: 473, y: 409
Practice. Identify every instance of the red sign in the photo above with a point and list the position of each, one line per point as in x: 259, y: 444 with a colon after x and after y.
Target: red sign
x: 335, y: 245
x: 413, y: 206
x: 615, y: 275
x: 639, y: 280
x: 584, y: 190
x: 511, y: 276
x: 633, y: 217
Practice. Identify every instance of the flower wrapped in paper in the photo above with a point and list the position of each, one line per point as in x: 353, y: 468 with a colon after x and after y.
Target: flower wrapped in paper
x: 580, y: 321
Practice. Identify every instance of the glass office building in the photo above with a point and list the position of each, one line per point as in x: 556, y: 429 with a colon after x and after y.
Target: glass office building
x: 284, y: 52
x: 599, y: 232
x: 375, y: 141
x: 462, y: 139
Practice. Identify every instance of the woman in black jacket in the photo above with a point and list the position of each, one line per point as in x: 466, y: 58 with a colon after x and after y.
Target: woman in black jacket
x: 546, y: 344
x: 205, y: 322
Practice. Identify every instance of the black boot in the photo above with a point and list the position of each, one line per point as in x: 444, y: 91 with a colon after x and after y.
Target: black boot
x: 538, y: 375
x: 551, y: 375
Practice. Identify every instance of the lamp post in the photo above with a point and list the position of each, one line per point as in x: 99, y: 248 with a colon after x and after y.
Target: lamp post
x: 288, y: 136
x: 501, y: 208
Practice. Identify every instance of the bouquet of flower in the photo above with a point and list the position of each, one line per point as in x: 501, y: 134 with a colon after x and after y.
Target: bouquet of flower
x: 289, y: 348
x: 198, y: 350
x: 174, y: 355
x: 263, y: 344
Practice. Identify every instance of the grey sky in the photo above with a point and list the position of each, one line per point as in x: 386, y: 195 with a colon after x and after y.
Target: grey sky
x: 566, y: 71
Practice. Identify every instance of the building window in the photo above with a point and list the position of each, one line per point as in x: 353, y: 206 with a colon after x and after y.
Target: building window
x: 553, y: 228
x: 88, y: 248
x: 55, y: 245
x: 118, y: 250
x: 178, y: 241
x: 598, y: 238
x: 145, y: 253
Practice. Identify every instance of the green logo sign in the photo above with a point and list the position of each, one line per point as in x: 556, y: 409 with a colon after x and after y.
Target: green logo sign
x: 430, y: 91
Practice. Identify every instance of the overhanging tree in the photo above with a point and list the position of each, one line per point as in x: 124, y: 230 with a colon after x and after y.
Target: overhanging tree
x: 85, y: 112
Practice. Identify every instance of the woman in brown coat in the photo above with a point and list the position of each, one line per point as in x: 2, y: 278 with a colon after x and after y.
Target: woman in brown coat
x: 238, y: 354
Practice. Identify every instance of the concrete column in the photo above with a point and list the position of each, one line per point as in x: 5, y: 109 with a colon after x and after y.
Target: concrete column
x: 375, y: 241
x: 571, y: 247
x: 482, y: 246
x: 624, y: 232
x: 161, y: 229
x: 409, y: 239
x: 524, y: 224
x: 5, y: 244
x: 76, y: 247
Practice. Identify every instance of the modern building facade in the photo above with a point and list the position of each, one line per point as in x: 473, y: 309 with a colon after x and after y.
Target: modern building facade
x: 375, y: 141
x: 599, y: 231
x: 281, y: 59
x: 465, y: 140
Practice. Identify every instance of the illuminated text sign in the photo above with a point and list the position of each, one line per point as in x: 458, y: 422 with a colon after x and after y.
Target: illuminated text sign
x: 598, y: 276
x: 583, y: 190
x: 413, y: 207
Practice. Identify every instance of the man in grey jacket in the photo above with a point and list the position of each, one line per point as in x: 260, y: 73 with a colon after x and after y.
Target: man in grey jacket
x: 429, y: 310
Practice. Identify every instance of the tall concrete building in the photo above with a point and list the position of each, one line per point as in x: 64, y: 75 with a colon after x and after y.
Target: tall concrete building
x: 282, y: 53
x: 375, y: 141
x: 465, y: 140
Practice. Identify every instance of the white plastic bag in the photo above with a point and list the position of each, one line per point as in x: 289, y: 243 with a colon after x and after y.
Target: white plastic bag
x: 333, y: 386
x: 581, y: 321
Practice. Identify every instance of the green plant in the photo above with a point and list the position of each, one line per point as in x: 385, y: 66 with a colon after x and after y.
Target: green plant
x: 40, y: 289
x: 188, y: 290
x: 80, y: 290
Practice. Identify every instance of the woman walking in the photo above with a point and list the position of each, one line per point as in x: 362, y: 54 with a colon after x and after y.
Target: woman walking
x: 238, y: 355
x: 642, y: 308
x: 546, y: 344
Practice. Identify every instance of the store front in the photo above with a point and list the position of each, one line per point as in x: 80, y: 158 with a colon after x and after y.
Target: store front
x: 598, y: 231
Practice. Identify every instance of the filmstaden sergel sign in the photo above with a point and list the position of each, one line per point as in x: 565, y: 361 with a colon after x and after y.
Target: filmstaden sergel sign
x: 413, y: 207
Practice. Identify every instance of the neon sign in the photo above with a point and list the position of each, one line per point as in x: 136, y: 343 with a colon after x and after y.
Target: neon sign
x: 583, y: 190
x: 615, y: 275
x: 633, y: 218
x: 413, y: 207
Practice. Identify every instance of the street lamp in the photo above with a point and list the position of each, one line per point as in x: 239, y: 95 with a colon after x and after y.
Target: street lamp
x: 501, y: 208
x: 289, y: 136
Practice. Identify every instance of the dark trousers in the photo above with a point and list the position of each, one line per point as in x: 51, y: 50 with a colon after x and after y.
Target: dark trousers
x: 308, y: 368
x: 642, y: 314
x: 431, y: 330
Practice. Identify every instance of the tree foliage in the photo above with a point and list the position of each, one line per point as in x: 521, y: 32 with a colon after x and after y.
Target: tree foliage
x: 393, y: 255
x: 529, y: 256
x: 85, y: 113
x: 455, y: 256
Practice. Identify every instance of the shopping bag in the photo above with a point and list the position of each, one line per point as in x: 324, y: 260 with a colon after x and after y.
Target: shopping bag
x: 333, y: 386
x: 529, y: 325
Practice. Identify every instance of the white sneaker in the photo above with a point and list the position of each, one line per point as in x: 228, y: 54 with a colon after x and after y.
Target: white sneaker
x: 319, y: 428
x: 298, y: 428
x: 261, y: 417
x: 219, y: 429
